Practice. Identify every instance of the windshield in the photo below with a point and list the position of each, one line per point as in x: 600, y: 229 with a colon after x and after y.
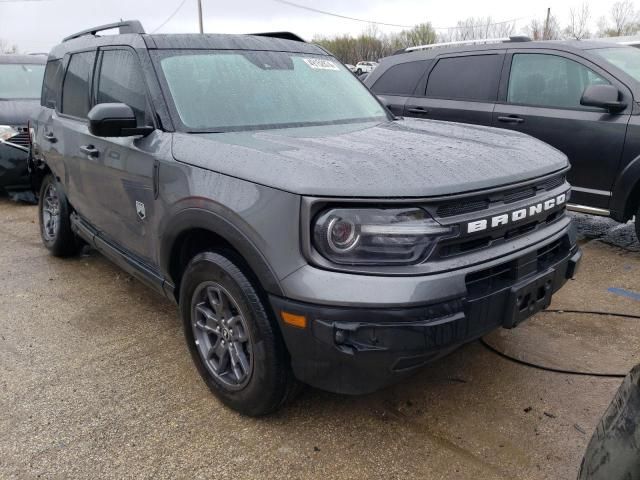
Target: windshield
x: 228, y: 90
x: 20, y: 81
x: 626, y: 59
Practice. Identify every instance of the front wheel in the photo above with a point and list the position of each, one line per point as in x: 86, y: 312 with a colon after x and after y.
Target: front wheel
x: 54, y: 214
x: 233, y: 342
x: 359, y: 72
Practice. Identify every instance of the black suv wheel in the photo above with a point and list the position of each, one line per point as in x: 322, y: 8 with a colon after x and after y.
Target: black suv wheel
x: 232, y: 340
x: 55, y: 221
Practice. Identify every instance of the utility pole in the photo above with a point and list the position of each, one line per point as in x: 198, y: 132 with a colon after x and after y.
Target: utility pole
x: 546, y: 33
x: 200, y: 16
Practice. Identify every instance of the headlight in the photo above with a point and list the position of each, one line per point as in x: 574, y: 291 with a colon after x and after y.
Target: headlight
x: 369, y: 236
x: 6, y: 132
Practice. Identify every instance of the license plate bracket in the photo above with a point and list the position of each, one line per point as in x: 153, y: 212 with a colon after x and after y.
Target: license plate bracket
x: 528, y: 298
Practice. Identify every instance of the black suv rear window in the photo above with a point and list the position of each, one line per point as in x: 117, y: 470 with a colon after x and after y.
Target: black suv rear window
x: 75, y: 91
x: 400, y: 79
x: 20, y: 81
x: 466, y: 78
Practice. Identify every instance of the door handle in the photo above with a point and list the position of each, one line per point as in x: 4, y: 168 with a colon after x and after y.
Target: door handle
x: 418, y: 110
x: 90, y: 150
x: 511, y: 119
x: 50, y: 137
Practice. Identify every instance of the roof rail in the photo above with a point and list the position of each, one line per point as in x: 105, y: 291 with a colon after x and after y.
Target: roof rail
x: 480, y: 41
x: 129, y: 26
x: 283, y: 35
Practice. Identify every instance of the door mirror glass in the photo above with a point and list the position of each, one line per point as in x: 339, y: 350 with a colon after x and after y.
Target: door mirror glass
x: 115, y: 120
x: 602, y: 96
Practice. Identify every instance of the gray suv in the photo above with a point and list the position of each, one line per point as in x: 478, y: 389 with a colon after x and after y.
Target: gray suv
x: 306, y: 235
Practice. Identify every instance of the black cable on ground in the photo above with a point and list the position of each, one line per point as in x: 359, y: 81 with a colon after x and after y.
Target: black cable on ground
x: 549, y: 369
x: 559, y: 370
x: 593, y: 312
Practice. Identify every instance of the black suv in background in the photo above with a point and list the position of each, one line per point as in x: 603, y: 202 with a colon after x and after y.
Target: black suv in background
x: 580, y: 97
x: 305, y: 233
x: 20, y: 88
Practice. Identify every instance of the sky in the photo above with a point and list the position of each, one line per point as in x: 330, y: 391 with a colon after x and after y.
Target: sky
x: 35, y: 26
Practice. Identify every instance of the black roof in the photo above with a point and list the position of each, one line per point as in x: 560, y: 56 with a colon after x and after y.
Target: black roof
x: 23, y: 59
x: 574, y: 46
x: 218, y: 41
x: 132, y: 34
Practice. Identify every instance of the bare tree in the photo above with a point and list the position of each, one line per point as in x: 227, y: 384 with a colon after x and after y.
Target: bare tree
x: 473, y: 28
x: 625, y: 18
x: 6, y: 47
x: 578, y: 27
x: 602, y: 27
x: 541, y: 30
x: 372, y: 44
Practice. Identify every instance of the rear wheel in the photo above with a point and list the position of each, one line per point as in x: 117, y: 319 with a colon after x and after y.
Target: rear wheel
x: 234, y: 344
x: 54, y: 214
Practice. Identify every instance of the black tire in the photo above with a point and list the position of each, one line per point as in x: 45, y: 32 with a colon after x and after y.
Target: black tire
x: 270, y: 383
x: 59, y: 238
x: 359, y: 71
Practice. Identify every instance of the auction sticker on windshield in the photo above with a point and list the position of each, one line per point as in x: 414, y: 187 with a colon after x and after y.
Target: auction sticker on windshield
x: 320, y: 64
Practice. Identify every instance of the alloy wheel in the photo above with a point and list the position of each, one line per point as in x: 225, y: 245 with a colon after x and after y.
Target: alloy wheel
x: 50, y: 213
x: 221, y: 335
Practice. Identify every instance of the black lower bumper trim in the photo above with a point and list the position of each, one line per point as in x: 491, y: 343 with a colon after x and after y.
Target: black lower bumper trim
x: 360, y: 350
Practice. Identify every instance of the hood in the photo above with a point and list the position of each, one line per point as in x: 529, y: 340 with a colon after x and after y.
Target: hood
x: 17, y: 112
x: 404, y: 158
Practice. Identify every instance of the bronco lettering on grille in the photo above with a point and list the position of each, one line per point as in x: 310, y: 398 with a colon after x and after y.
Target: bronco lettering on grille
x: 516, y: 215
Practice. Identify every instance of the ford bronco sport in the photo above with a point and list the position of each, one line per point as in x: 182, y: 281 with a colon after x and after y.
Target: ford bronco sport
x: 305, y: 233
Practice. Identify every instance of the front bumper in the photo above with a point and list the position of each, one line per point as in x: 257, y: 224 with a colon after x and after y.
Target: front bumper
x: 14, y: 170
x: 356, y: 350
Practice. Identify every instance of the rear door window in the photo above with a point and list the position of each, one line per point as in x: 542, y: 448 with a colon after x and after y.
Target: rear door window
x: 400, y: 79
x: 121, y: 81
x: 473, y: 78
x: 75, y: 90
x: 544, y: 80
x: 52, y: 83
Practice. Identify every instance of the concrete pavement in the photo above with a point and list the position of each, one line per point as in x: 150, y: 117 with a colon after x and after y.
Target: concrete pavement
x: 96, y: 382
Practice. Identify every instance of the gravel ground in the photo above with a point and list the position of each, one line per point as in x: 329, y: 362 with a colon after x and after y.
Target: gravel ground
x: 96, y: 382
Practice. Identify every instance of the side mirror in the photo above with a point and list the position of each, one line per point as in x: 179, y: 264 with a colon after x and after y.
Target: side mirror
x: 115, y: 120
x: 602, y: 96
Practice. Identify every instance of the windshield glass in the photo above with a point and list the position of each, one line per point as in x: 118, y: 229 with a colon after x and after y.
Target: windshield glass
x: 229, y: 90
x: 626, y: 59
x: 20, y: 81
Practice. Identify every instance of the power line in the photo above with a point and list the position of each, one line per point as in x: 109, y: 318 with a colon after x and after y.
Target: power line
x: 332, y: 14
x: 175, y: 12
x: 323, y: 12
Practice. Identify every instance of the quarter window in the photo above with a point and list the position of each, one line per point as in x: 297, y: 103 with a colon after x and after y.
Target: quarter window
x: 549, y: 81
x: 466, y: 78
x: 121, y: 81
x: 75, y: 91
x: 51, y: 84
x: 400, y: 79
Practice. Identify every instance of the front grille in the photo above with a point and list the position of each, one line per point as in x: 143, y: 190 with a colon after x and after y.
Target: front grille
x: 457, y: 247
x: 479, y: 203
x: 22, y: 139
x: 453, y: 209
x: 495, y: 278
